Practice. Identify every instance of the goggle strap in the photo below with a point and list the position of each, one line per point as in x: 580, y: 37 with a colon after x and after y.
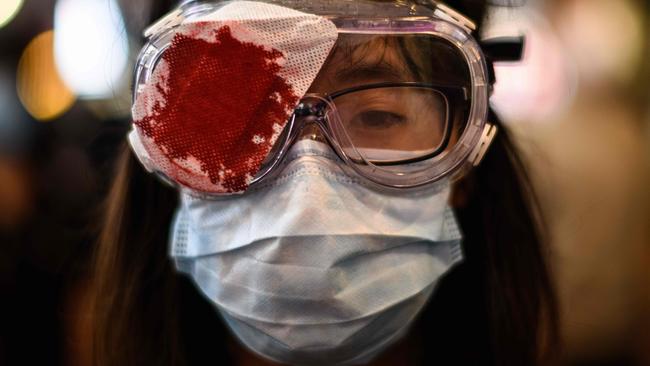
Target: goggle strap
x: 489, y: 131
x: 504, y: 49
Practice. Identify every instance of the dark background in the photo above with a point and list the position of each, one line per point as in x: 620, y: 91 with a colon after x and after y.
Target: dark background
x: 579, y: 105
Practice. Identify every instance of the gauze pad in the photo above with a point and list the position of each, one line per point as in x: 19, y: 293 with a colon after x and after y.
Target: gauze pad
x: 223, y: 91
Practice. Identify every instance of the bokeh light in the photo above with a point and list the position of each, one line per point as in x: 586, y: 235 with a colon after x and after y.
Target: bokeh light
x: 8, y: 10
x: 604, y: 37
x: 40, y: 88
x: 91, y: 46
x: 542, y: 86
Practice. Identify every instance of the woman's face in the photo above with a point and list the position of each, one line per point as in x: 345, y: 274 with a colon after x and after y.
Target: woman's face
x: 316, y: 265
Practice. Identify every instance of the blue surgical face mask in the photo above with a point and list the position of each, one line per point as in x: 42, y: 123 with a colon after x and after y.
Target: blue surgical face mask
x: 316, y: 267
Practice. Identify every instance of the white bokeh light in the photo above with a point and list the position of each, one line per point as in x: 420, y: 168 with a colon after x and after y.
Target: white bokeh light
x: 8, y: 10
x: 91, y: 46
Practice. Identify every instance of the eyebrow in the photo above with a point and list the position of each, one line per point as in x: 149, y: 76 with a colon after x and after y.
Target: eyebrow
x: 366, y: 71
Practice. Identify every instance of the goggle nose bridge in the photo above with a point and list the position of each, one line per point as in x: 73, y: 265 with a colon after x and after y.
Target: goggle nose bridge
x: 311, y: 105
x: 311, y: 111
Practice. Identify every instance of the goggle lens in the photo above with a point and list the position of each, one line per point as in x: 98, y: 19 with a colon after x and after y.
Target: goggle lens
x: 394, y: 125
x: 402, y: 101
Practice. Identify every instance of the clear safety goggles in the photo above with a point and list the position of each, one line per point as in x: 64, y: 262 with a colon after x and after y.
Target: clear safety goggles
x: 402, y: 97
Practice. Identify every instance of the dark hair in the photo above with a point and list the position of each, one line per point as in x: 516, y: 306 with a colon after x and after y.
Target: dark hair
x: 496, y: 308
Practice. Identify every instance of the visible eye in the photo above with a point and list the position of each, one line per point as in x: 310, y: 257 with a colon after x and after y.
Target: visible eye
x: 377, y: 119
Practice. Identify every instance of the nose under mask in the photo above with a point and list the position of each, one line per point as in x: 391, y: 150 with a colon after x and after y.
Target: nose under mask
x: 314, y: 267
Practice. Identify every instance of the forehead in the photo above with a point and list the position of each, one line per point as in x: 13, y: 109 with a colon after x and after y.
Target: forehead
x: 359, y: 59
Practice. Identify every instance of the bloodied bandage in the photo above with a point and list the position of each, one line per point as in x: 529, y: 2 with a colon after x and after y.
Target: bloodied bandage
x: 224, y: 89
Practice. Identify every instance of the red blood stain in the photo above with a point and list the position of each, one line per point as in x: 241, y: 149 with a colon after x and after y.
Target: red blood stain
x: 221, y: 97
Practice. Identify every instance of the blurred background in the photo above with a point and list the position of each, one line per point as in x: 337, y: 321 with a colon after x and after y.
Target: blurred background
x: 579, y: 104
